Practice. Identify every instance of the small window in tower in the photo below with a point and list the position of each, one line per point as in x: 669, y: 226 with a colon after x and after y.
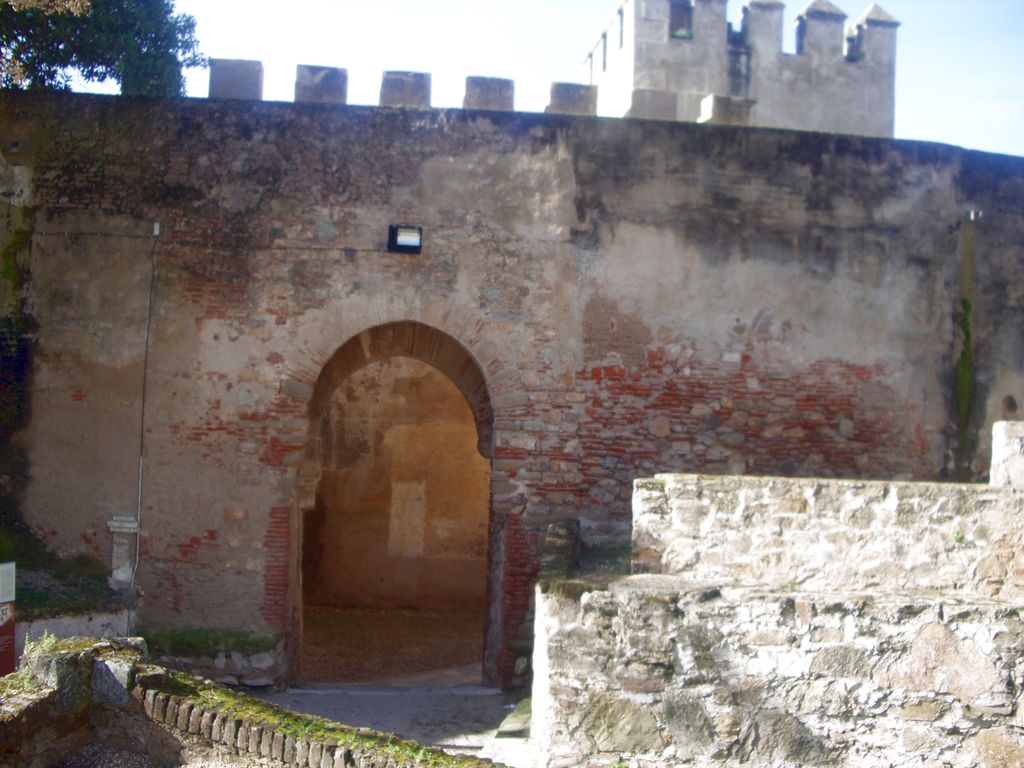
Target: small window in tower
x: 622, y: 28
x: 680, y: 20
x: 801, y: 34
x: 855, y: 45
x: 604, y: 51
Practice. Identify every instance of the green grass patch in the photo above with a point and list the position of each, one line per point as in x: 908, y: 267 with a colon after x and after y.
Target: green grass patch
x: 19, y: 682
x: 198, y: 641
x: 22, y: 680
x: 253, y: 711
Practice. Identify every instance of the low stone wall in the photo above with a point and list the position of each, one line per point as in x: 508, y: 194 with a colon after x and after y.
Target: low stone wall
x: 781, y: 622
x: 659, y: 670
x: 47, y: 707
x: 117, y: 624
x: 255, y: 670
x: 835, y: 534
x: 826, y: 535
x: 102, y: 693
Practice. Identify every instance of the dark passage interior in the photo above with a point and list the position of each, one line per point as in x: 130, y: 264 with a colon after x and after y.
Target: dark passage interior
x: 395, y: 549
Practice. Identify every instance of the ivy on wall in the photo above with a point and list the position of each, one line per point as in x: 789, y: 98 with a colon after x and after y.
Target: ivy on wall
x: 16, y: 333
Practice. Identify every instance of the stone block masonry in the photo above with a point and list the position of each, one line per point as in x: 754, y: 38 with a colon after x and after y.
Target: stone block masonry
x: 236, y: 79
x: 405, y: 89
x: 321, y: 85
x: 489, y: 93
x: 573, y: 99
x: 832, y: 535
x: 793, y: 622
x: 1008, y: 454
x: 660, y: 670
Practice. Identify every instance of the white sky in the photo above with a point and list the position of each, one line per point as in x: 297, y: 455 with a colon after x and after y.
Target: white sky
x: 960, y: 63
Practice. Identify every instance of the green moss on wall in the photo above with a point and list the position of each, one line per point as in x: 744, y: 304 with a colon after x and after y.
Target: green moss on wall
x: 10, y: 269
x: 193, y: 641
x: 963, y: 369
x: 963, y: 394
x: 389, y: 750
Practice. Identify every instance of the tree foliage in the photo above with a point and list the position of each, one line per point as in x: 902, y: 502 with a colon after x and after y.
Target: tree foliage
x: 142, y: 44
x: 50, y: 6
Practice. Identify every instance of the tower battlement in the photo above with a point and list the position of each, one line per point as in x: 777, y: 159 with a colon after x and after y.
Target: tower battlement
x: 683, y: 60
x: 677, y: 60
x: 243, y: 79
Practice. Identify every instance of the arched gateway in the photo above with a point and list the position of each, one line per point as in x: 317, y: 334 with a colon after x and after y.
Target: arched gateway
x: 395, y: 507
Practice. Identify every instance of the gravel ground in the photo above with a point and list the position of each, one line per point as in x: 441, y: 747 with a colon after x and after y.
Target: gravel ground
x: 353, y: 645
x: 462, y: 719
x: 102, y: 757
x: 412, y: 673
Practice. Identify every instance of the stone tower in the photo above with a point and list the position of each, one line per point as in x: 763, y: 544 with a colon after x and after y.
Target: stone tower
x: 682, y: 60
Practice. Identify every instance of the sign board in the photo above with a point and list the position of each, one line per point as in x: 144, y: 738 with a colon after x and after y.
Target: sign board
x: 7, y: 657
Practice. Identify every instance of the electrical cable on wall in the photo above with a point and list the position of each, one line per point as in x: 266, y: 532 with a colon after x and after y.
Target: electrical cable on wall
x: 142, y: 413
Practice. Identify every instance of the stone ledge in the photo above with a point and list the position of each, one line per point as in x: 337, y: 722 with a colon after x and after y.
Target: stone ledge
x: 83, y: 679
x: 244, y: 726
x: 108, y: 624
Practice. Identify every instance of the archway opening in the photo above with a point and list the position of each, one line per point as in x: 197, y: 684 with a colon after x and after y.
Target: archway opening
x: 395, y: 538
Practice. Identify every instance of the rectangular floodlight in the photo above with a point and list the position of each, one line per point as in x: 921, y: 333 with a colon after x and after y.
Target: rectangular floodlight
x: 405, y: 238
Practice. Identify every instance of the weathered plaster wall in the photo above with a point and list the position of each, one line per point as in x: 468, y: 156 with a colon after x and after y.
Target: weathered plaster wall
x: 89, y: 295
x: 403, y: 507
x: 629, y: 297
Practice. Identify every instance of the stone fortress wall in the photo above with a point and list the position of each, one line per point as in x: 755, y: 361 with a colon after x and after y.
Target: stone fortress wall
x: 614, y: 298
x: 682, y: 60
x: 797, y: 622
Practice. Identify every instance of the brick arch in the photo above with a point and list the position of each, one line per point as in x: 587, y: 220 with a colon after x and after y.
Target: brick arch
x: 405, y: 338
x: 409, y: 338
